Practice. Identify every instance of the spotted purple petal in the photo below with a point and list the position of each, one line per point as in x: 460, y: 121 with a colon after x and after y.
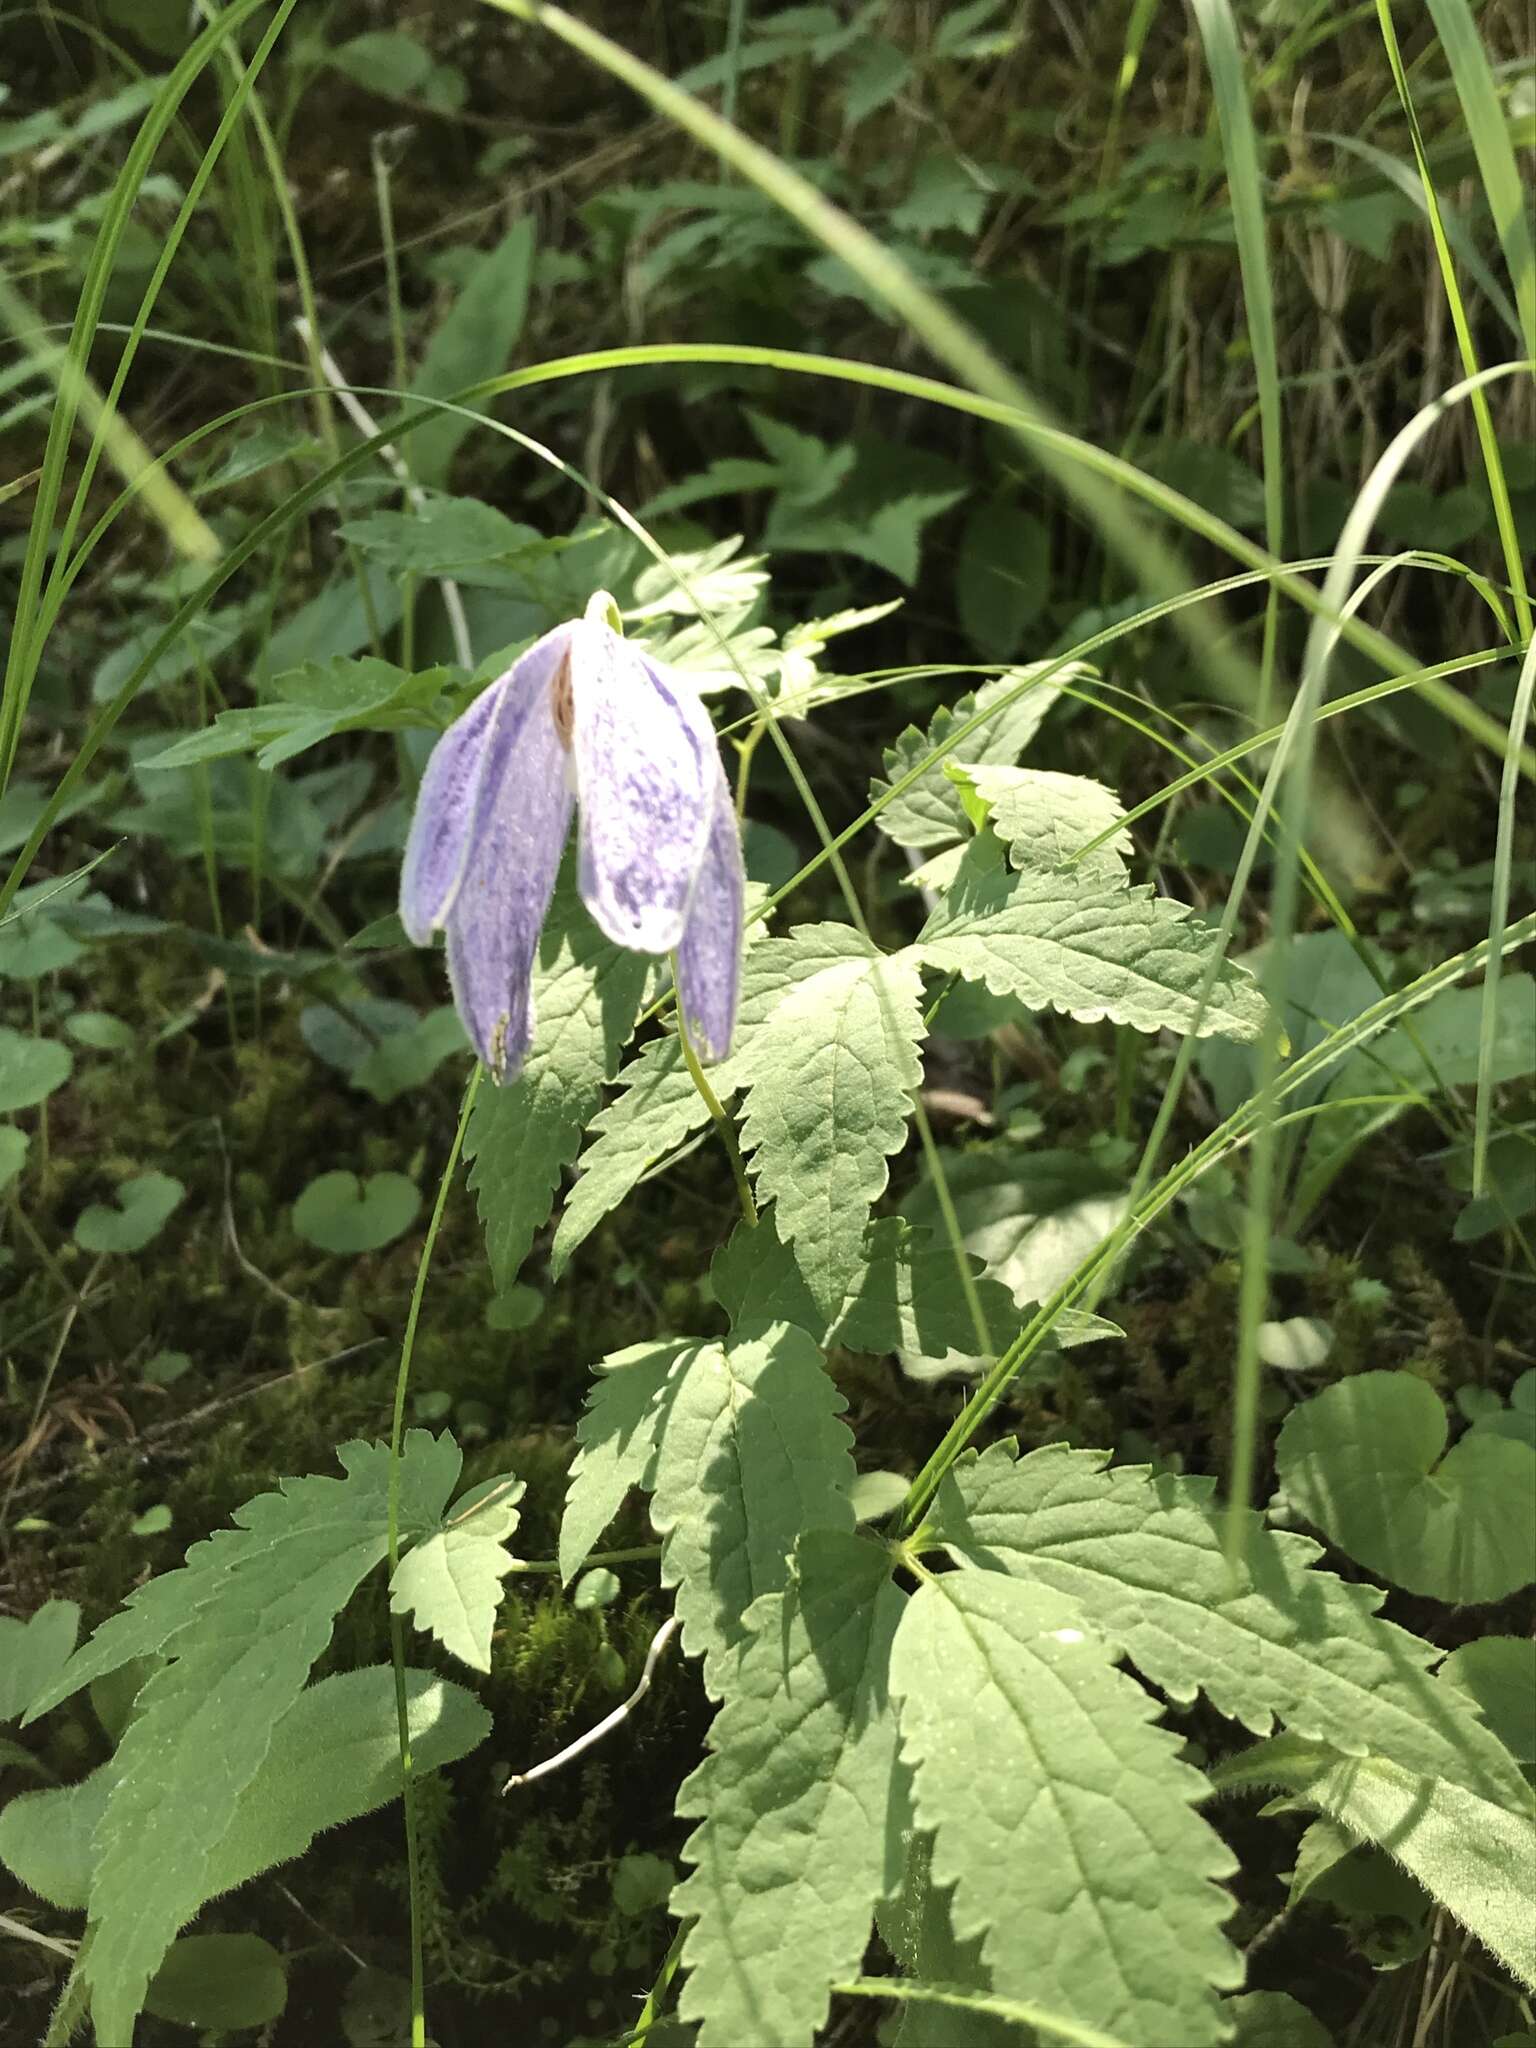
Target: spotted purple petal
x: 709, y: 957
x: 646, y: 765
x: 468, y: 754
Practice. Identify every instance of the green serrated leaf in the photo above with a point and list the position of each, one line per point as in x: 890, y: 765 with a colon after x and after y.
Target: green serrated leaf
x: 791, y: 1853
x: 450, y: 1585
x: 660, y: 1107
x: 905, y: 1297
x: 1365, y: 1460
x: 1064, y: 1820
x: 1143, y: 1558
x: 1069, y: 940
x: 312, y: 703
x: 617, y: 1443
x: 521, y: 1137
x: 241, y: 1624
x: 334, y: 1755
x: 930, y: 812
x: 439, y: 536
x: 1476, y: 1859
x: 1045, y: 819
x: 475, y: 340
x: 749, y: 1454
x: 831, y: 1080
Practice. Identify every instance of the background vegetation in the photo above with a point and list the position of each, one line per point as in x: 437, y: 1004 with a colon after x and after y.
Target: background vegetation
x: 406, y: 199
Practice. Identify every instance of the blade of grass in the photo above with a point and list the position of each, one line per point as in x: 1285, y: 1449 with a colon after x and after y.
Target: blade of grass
x: 1488, y: 441
x: 1245, y: 183
x: 1508, y: 198
x: 25, y: 648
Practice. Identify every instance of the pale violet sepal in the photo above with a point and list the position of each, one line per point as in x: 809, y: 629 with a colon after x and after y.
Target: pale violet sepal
x: 582, y: 718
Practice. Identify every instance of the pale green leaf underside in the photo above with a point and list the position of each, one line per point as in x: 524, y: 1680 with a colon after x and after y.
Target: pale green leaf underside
x: 450, y: 1585
x: 1062, y: 1816
x: 791, y: 1852
x: 1143, y: 1558
x: 522, y: 1136
x: 832, y: 1076
x: 334, y: 1755
x: 616, y: 1439
x: 750, y: 1454
x: 241, y: 1624
x: 1045, y: 818
x: 1477, y: 1860
x: 1068, y: 939
x: 930, y: 813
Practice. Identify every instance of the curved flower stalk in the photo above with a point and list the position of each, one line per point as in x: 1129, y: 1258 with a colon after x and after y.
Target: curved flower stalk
x: 582, y: 719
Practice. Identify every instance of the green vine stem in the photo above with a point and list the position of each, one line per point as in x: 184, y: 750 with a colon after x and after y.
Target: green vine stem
x: 392, y: 1551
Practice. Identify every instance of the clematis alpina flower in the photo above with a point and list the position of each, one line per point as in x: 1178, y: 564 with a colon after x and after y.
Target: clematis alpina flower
x: 582, y: 719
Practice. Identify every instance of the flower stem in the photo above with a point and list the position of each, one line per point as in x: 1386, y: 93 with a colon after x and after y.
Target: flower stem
x: 722, y: 1122
x: 392, y: 1542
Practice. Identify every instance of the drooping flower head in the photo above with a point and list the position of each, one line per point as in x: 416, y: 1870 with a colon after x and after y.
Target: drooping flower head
x: 585, y: 719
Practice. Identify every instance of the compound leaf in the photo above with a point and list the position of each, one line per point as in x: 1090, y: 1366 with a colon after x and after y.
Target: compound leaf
x: 930, y: 812
x: 1071, y: 939
x: 790, y: 1856
x: 1142, y: 1557
x: 1064, y: 1818
x: 660, y: 1107
x: 240, y: 1624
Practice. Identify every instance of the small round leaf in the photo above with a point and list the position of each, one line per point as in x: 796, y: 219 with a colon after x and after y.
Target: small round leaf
x: 100, y: 1030
x: 144, y: 1205
x: 342, y: 1214
x: 223, y: 1981
x: 30, y: 1068
x: 1366, y: 1462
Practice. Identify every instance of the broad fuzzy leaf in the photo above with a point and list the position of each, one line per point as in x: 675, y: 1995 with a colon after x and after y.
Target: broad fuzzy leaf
x: 790, y: 1857
x: 906, y: 1295
x: 660, y: 1106
x: 914, y: 1922
x: 335, y: 1754
x: 521, y: 1137
x: 617, y: 1443
x: 475, y: 340
x: 1060, y: 1814
x: 1366, y: 1461
x: 1142, y: 1556
x: 750, y: 1454
x: 930, y: 813
x: 449, y: 1583
x: 1477, y: 1860
x: 832, y: 1075
x: 1064, y: 939
x: 241, y: 1624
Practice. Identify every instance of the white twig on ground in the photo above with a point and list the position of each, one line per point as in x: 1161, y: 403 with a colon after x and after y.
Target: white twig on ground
x: 609, y: 1722
x: 367, y: 425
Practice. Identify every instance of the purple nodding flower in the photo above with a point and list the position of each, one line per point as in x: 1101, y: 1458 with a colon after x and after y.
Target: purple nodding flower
x: 583, y: 718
